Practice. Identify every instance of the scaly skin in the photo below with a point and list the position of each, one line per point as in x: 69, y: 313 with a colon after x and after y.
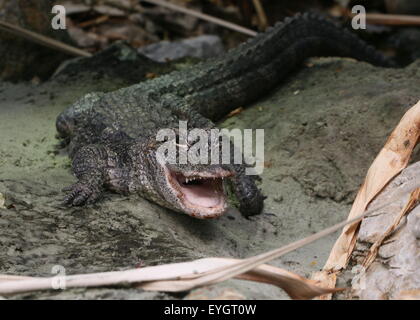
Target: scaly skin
x: 112, y: 135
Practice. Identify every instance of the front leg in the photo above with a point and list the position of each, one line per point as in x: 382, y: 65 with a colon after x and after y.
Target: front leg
x: 251, y: 200
x: 90, y: 166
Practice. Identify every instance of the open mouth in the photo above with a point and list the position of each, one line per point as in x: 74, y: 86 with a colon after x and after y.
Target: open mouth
x: 201, y: 194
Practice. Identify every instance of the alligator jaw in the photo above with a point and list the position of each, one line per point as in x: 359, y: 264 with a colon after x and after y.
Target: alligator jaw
x: 201, y: 194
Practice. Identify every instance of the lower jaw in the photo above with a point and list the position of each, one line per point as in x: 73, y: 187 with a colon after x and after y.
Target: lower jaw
x: 195, y: 210
x: 201, y: 214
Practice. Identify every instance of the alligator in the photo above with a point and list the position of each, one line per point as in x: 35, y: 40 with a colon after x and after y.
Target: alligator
x: 112, y: 136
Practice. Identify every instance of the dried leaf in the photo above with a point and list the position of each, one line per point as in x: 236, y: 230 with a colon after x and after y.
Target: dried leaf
x: 98, y: 20
x: 295, y: 286
x: 171, y: 277
x: 328, y: 280
x: 151, y: 75
x: 235, y: 112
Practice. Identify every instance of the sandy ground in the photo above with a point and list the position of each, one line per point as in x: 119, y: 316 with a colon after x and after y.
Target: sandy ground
x: 323, y: 127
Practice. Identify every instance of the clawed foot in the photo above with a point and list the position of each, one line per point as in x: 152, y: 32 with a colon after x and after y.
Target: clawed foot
x: 252, y: 206
x: 81, y: 193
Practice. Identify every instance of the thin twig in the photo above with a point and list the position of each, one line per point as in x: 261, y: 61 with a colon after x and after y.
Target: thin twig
x: 262, y: 17
x: 203, y: 16
x: 391, y: 19
x: 43, y: 40
x: 96, y: 21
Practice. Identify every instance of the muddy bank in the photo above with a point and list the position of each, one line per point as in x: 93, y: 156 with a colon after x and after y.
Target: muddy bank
x: 323, y: 127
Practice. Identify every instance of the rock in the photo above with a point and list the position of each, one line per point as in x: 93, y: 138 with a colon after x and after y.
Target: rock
x: 413, y: 222
x: 315, y: 170
x: 396, y: 269
x: 205, y: 46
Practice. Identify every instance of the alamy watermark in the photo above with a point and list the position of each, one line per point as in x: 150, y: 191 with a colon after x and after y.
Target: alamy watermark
x: 59, y: 20
x: 58, y: 282
x: 359, y: 20
x: 212, y: 146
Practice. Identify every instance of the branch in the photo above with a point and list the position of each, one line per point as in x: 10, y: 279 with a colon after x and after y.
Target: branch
x: 262, y: 17
x: 42, y: 40
x: 391, y: 19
